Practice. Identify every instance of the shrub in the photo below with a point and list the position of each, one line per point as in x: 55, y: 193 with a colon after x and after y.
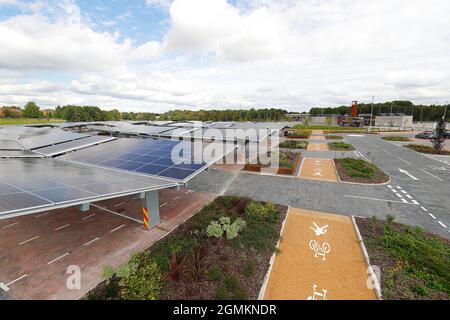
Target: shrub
x: 261, y: 211
x: 221, y: 293
x: 249, y: 269
x: 396, y: 138
x: 144, y: 284
x: 176, y: 266
x: 198, y: 264
x: 341, y: 146
x: 107, y: 273
x: 215, y: 274
x: 217, y: 228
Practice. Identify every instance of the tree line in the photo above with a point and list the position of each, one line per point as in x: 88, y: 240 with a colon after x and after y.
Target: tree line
x: 419, y: 112
x: 73, y: 113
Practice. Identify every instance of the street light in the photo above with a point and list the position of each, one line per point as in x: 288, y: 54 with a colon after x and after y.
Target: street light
x: 371, y: 115
x: 445, y: 110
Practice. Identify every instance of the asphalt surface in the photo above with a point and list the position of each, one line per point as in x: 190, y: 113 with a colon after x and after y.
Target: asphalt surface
x: 420, y: 197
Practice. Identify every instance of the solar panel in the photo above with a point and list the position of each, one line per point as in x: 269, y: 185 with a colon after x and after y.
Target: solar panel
x: 40, y: 184
x: 9, y: 145
x: 18, y: 154
x: 51, y: 137
x: 72, y: 145
x: 144, y: 156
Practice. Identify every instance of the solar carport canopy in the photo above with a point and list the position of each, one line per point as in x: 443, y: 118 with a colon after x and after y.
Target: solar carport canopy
x: 35, y: 185
x: 178, y: 160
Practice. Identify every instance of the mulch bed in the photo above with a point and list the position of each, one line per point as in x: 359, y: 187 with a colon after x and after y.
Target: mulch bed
x: 389, y: 264
x: 379, y: 177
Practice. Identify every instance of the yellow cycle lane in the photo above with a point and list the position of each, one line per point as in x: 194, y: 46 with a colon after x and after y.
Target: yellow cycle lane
x: 320, y: 258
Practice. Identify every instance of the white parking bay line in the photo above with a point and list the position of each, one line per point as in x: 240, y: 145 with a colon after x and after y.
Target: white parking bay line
x: 415, y: 202
x: 29, y: 240
x: 431, y: 175
x: 176, y: 198
x: 443, y: 225
x: 164, y: 204
x: 62, y: 227
x: 423, y: 208
x: 59, y: 258
x: 119, y: 204
x: 88, y: 216
x: 118, y: 228
x: 431, y: 215
x: 403, y: 160
x: 10, y: 225
x: 41, y: 215
x: 18, y: 279
x: 375, y: 199
x: 92, y: 241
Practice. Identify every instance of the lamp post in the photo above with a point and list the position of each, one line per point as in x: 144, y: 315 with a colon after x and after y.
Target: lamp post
x: 445, y: 110
x: 371, y: 115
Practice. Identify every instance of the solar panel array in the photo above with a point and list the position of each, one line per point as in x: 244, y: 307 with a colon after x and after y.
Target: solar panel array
x: 35, y: 184
x: 143, y: 156
x: 72, y: 145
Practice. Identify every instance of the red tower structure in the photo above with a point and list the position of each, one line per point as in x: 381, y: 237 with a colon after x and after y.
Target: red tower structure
x: 354, y: 109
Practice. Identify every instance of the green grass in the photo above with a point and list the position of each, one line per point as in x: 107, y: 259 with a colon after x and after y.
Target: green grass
x: 16, y: 121
x: 357, y: 168
x: 292, y: 144
x: 423, y: 260
x: 341, y: 146
x: 426, y: 149
x: 396, y: 138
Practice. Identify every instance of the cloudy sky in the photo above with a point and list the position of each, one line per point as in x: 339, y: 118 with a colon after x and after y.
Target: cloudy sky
x: 156, y: 55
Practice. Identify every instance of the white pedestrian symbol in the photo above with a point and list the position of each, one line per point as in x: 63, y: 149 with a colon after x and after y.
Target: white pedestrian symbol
x: 320, y: 250
x: 318, y: 231
x: 318, y: 295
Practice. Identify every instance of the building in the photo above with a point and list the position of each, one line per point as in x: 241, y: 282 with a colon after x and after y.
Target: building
x: 299, y: 117
x: 394, y: 120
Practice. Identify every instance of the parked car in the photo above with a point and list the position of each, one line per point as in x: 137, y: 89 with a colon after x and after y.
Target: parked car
x: 425, y: 135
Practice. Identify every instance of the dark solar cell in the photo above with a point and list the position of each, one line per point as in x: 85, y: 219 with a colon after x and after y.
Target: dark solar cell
x: 6, y: 188
x: 17, y: 201
x: 151, y: 169
x: 111, y: 162
x: 146, y: 159
x: 164, y: 162
x: 103, y: 188
x: 130, y: 165
x: 64, y: 194
x: 177, y: 173
x: 30, y: 183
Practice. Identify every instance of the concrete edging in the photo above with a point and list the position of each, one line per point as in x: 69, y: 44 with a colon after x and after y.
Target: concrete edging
x: 262, y: 291
x: 367, y: 259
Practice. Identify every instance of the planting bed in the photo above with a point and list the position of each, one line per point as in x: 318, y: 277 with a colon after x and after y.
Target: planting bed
x: 415, y: 265
x: 426, y: 149
x: 359, y: 171
x: 200, y: 260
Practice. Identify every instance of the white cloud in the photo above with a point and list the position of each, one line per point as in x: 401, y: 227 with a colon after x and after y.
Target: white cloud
x: 286, y: 53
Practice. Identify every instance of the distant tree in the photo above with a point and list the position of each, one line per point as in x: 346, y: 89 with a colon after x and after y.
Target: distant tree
x: 439, y: 138
x: 31, y: 110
